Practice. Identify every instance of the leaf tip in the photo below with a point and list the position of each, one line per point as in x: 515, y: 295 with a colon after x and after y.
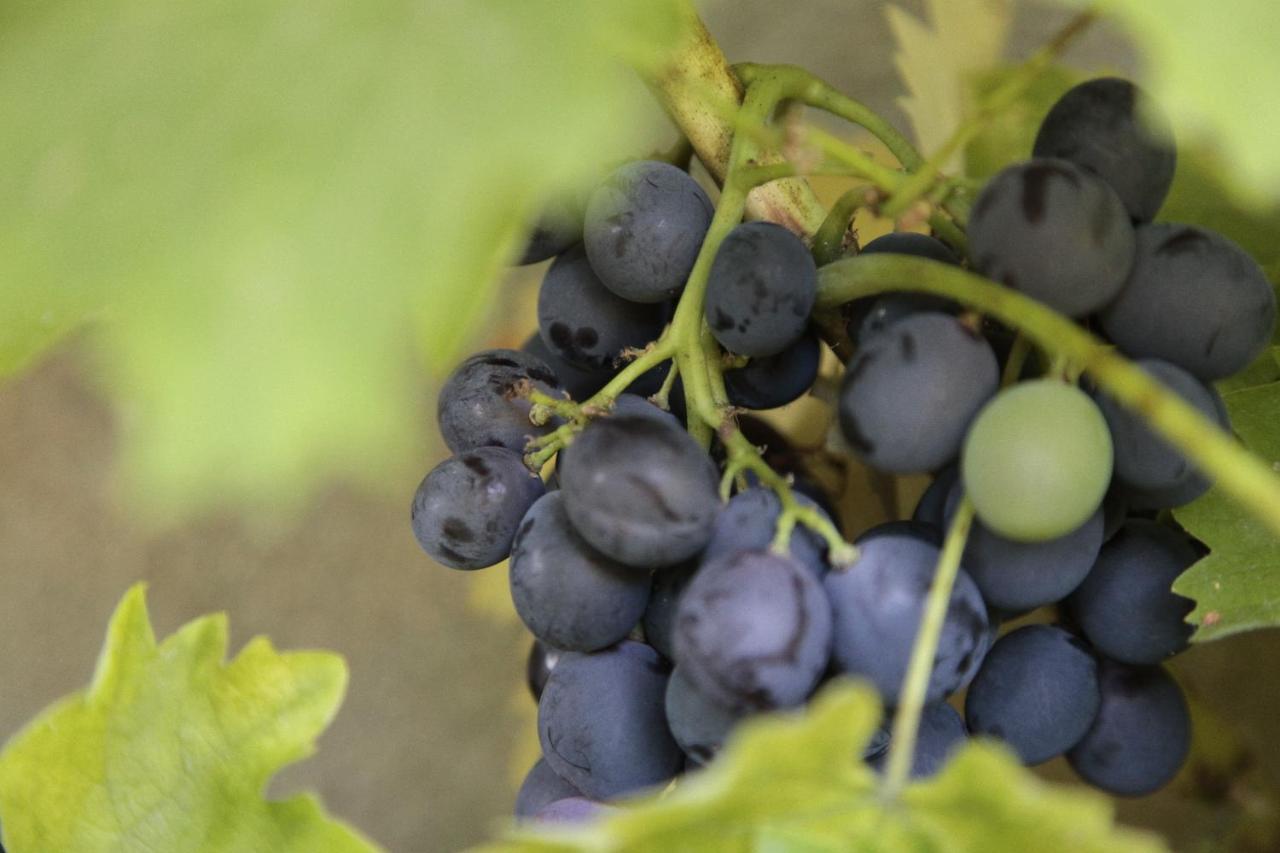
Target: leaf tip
x: 129, y: 633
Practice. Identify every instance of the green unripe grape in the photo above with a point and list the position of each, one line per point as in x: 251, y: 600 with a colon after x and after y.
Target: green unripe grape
x: 1037, y: 461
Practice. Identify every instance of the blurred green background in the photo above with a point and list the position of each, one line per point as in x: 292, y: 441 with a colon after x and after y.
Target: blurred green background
x: 423, y: 756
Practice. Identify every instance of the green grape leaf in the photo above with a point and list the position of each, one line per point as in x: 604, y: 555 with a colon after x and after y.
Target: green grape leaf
x: 170, y: 748
x: 1212, y: 67
x: 793, y: 782
x: 937, y: 54
x: 269, y: 208
x: 1237, y: 586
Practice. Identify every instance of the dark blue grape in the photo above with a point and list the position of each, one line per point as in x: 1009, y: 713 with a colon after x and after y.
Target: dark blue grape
x: 932, y: 507
x: 481, y: 405
x: 467, y: 509
x: 537, y: 668
x: 1125, y: 606
x: 1148, y: 500
x: 698, y: 724
x: 1037, y: 691
x: 601, y: 721
x: 753, y: 631
x: 583, y: 322
x: 1194, y: 298
x: 1115, y: 511
x: 749, y: 521
x: 572, y: 810
x: 577, y: 381
x: 878, y: 604
x: 910, y: 393
x: 570, y: 595
x: 644, y: 228
x: 627, y: 404
x: 633, y: 405
x: 541, y: 786
x: 1140, y: 736
x: 1019, y: 576
x: 940, y: 734
x: 773, y: 381
x: 1145, y: 461
x: 876, y: 313
x: 640, y: 490
x: 883, y: 311
x: 1109, y: 127
x: 921, y: 530
x: 660, y: 615
x: 1055, y: 232
x: 877, y: 746
x: 761, y: 288
x: 910, y: 243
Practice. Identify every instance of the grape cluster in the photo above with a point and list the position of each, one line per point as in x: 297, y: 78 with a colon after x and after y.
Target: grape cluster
x: 664, y: 616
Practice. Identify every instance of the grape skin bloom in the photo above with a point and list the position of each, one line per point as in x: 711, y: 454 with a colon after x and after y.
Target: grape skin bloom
x: 640, y: 490
x: 911, y: 391
x: 1140, y: 736
x: 753, y: 631
x: 878, y: 604
x: 480, y: 404
x: 602, y: 724
x: 1054, y: 232
x: 467, y: 509
x: 1037, y: 691
x: 1193, y: 298
x: 760, y: 290
x: 568, y: 594
x: 644, y: 227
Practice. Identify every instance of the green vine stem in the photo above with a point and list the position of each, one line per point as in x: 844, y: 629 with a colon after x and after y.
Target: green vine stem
x: 800, y: 85
x: 1247, y: 479
x: 906, y: 721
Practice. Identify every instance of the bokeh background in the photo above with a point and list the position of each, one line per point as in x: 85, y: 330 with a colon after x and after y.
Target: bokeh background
x: 427, y: 750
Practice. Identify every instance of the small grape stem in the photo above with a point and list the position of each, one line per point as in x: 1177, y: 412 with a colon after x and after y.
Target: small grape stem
x: 1247, y: 479
x: 906, y: 721
x: 743, y: 456
x: 543, y: 447
x: 834, y: 236
x: 545, y: 407
x: 662, y: 399
x: 923, y: 179
x: 1017, y: 358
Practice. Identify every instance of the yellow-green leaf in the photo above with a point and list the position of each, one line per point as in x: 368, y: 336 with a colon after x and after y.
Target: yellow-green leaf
x: 171, y: 747
x: 936, y: 56
x: 271, y: 207
x: 793, y: 782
